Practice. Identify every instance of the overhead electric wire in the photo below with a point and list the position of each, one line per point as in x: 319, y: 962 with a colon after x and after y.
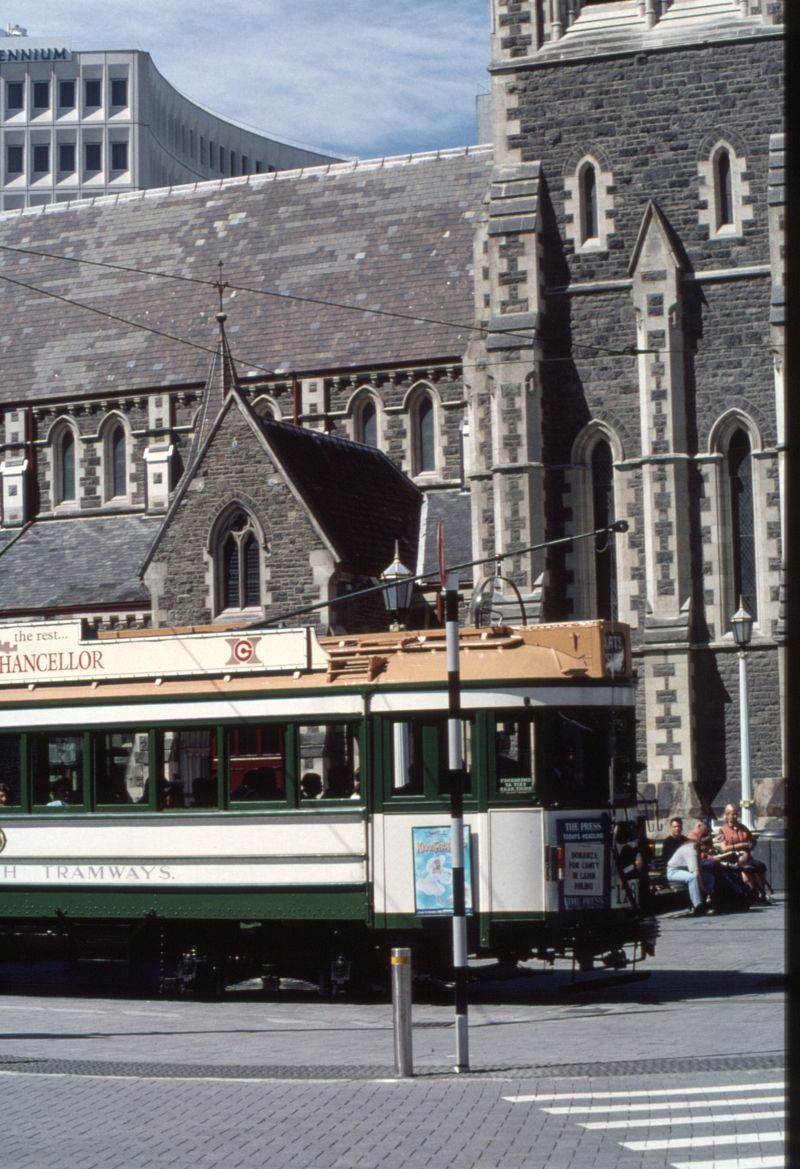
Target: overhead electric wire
x: 614, y: 526
x: 629, y: 351
x: 600, y: 351
x: 124, y: 321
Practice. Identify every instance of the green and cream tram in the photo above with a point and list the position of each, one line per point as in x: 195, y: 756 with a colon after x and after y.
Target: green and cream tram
x: 271, y: 801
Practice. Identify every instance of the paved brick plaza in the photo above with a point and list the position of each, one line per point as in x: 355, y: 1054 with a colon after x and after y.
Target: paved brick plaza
x: 93, y: 1081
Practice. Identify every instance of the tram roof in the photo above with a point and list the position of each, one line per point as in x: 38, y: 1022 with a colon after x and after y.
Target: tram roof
x: 573, y: 651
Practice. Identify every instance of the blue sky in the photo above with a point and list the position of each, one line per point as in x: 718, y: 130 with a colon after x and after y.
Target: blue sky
x: 366, y: 77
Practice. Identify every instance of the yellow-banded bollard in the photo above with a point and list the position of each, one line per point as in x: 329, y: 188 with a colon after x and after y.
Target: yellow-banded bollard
x: 401, y: 1012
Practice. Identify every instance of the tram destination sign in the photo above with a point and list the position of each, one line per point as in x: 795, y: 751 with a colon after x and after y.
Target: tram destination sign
x: 56, y: 651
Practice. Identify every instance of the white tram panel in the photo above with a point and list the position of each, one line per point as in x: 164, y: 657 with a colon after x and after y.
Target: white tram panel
x: 265, y: 852
x: 515, y: 862
x: 393, y: 862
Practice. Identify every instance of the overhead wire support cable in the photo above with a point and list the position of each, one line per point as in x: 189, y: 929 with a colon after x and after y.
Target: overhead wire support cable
x: 627, y: 351
x: 420, y: 577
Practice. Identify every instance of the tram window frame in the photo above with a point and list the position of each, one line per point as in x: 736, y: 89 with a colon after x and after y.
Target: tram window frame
x: 427, y: 739
x: 355, y: 797
x: 159, y: 789
x: 99, y: 738
x: 82, y: 805
x: 568, y: 722
x: 9, y: 780
x: 230, y: 752
x: 531, y: 797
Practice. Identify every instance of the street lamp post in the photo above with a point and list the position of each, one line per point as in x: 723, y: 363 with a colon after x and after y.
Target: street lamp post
x: 742, y: 626
x: 400, y: 582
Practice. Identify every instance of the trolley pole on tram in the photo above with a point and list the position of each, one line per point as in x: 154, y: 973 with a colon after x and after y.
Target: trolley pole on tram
x: 456, y: 768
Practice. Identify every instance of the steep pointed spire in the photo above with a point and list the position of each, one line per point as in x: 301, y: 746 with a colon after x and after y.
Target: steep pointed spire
x: 222, y: 378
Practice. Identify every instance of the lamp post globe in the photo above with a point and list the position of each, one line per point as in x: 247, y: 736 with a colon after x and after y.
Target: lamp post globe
x: 742, y: 627
x: 400, y: 581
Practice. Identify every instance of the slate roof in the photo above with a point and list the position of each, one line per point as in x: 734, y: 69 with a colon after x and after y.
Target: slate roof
x: 75, y: 563
x: 354, y: 492
x: 451, y: 508
x: 395, y: 234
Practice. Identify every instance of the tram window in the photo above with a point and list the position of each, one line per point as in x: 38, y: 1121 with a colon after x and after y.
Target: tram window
x: 122, y: 760
x: 57, y: 766
x: 623, y: 753
x: 330, y: 762
x: 258, y: 763
x: 407, y: 755
x: 420, y: 758
x: 514, y: 742
x: 189, y: 769
x: 10, y: 756
x: 574, y: 758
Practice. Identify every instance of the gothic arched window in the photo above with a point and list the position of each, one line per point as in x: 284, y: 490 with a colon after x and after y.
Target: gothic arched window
x: 603, y: 515
x: 117, y: 462
x: 66, y: 484
x: 743, y: 536
x: 424, y: 444
x: 724, y: 190
x: 239, y: 564
x: 369, y: 425
x: 588, y: 190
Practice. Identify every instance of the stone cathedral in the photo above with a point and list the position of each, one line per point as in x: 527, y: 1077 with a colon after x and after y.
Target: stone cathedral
x: 579, y: 321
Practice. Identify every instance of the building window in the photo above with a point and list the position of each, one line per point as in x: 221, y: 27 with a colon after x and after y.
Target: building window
x: 14, y: 160
x: 119, y: 91
x: 66, y: 95
x: 369, y: 424
x: 239, y: 564
x: 191, y: 144
x: 66, y: 467
x: 15, y: 95
x: 245, y: 165
x: 116, y: 463
x: 588, y: 184
x: 603, y: 515
x: 202, y: 151
x: 92, y: 156
x: 119, y: 155
x: 66, y: 157
x: 258, y: 167
x: 724, y: 190
x: 221, y: 160
x: 41, y: 95
x: 92, y: 93
x: 210, y: 155
x: 233, y: 162
x: 423, y: 427
x: 41, y: 159
x: 740, y: 472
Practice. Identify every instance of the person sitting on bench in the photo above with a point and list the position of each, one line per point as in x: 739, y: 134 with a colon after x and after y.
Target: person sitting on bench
x: 734, y: 837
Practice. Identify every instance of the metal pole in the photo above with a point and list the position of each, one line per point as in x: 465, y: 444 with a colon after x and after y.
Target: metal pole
x: 401, y: 1011
x: 744, y: 730
x: 456, y: 765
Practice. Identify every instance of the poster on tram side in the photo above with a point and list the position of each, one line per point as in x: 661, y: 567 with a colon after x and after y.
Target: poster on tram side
x: 433, y: 872
x: 586, y: 883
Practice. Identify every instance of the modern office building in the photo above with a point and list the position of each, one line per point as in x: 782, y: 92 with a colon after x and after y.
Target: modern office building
x: 80, y: 124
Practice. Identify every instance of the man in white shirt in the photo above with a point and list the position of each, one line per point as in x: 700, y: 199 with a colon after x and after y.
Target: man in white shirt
x: 684, y: 868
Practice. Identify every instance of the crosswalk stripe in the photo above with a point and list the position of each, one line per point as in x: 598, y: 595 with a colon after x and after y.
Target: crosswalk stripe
x: 769, y: 1162
x: 772, y: 1086
x: 734, y: 1138
x: 654, y: 1121
x: 576, y: 1109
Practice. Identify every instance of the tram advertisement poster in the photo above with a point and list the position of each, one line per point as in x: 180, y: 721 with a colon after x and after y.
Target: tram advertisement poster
x: 433, y: 871
x: 587, y: 848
